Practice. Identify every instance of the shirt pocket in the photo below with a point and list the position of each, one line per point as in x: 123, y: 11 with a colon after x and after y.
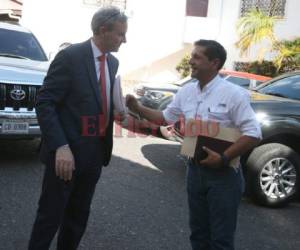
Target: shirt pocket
x: 218, y: 113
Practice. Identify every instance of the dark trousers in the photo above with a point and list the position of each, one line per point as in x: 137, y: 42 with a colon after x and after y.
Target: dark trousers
x: 213, y: 196
x: 64, y: 206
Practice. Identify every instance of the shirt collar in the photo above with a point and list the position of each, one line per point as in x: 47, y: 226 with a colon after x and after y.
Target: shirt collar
x: 210, y: 85
x: 96, y: 51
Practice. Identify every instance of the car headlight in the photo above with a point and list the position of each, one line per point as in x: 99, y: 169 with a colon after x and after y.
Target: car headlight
x: 139, y: 91
x: 156, y: 95
x: 263, y: 118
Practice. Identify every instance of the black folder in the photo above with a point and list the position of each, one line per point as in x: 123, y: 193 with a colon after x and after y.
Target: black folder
x: 212, y: 143
x: 192, y: 146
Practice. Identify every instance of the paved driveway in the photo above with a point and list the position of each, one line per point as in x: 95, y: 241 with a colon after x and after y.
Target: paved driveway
x: 139, y: 204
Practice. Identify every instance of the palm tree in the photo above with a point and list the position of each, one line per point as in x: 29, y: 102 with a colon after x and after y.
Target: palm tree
x: 257, y: 26
x: 254, y: 27
x: 288, y: 53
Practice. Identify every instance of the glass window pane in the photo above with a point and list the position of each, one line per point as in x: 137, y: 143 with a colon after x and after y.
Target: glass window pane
x: 243, y: 82
x: 20, y: 44
x: 196, y: 8
x: 288, y: 87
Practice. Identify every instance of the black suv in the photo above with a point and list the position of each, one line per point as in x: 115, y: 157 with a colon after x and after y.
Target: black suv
x: 272, y: 169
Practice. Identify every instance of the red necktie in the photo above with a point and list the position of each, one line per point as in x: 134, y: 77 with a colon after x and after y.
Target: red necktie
x: 102, y: 79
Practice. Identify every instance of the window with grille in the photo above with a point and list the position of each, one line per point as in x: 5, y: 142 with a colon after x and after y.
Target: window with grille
x: 119, y: 3
x: 269, y: 7
x: 196, y: 8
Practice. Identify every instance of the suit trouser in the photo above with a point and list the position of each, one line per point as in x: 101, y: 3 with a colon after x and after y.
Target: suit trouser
x: 214, y: 196
x: 64, y: 206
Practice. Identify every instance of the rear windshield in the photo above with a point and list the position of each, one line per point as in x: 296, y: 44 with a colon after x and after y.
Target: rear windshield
x: 20, y: 44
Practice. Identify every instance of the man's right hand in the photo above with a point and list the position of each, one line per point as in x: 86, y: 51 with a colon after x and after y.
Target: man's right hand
x: 64, y: 163
x: 132, y: 103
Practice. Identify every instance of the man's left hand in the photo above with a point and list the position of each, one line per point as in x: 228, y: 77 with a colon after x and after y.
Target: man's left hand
x: 212, y: 160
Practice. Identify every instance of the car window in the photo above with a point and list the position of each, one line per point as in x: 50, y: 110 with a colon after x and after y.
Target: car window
x: 184, y: 81
x: 22, y: 44
x: 288, y: 87
x: 239, y: 81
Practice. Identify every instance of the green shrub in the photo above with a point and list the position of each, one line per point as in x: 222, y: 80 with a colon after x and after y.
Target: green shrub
x: 183, y: 67
x: 288, y: 54
x: 266, y: 68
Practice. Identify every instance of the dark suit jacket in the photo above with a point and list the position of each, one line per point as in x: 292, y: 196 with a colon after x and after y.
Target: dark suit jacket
x: 70, y: 92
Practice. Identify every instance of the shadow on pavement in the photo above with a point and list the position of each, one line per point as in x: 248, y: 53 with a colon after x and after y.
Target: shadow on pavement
x: 19, y: 149
x: 137, y: 205
x: 164, y: 156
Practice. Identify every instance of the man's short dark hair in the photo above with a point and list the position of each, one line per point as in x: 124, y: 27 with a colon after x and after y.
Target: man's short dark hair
x: 213, y: 50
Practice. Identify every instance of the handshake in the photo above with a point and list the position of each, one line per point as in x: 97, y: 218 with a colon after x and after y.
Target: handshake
x: 132, y: 104
x: 121, y: 104
x: 136, y: 110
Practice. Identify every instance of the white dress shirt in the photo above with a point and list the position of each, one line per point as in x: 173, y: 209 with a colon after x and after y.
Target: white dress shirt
x: 219, y: 101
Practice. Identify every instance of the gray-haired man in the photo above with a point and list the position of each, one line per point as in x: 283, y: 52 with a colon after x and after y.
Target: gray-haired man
x: 75, y: 113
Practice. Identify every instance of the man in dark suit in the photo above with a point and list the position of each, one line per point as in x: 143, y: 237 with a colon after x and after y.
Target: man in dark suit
x: 75, y: 113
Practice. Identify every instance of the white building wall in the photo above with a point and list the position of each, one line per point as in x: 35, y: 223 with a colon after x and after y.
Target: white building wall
x: 286, y: 28
x: 155, y: 31
x: 289, y: 27
x: 203, y: 27
x: 57, y: 21
x: 218, y: 25
x: 227, y: 35
x: 155, y: 28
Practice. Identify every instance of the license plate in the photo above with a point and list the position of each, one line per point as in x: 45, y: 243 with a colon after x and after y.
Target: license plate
x: 14, y: 127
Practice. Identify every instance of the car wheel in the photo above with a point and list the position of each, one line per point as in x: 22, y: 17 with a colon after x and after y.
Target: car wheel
x: 273, y: 172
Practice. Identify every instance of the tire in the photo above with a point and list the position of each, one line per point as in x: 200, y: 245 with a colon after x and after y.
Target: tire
x: 273, y: 172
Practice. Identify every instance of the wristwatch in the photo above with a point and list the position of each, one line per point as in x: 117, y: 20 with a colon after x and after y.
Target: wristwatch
x: 225, y: 160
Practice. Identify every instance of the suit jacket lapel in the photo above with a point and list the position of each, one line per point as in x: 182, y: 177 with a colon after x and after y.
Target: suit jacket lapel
x: 90, y: 65
x: 112, y: 67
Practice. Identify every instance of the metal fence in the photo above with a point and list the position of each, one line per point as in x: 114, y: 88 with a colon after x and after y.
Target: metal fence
x: 119, y: 3
x: 270, y: 7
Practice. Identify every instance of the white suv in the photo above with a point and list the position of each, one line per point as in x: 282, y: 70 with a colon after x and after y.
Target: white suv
x: 23, y: 66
